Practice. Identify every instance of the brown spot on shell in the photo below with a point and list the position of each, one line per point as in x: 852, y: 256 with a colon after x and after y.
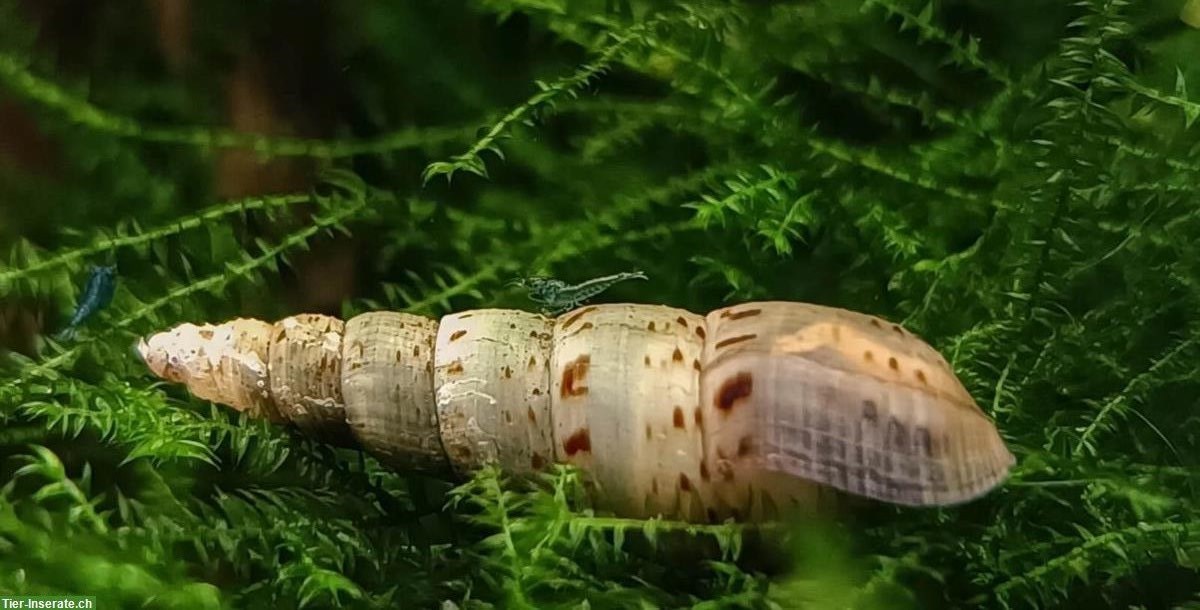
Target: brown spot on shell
x: 586, y: 325
x: 685, y: 484
x: 733, y: 340
x: 893, y: 364
x: 456, y: 335
x: 921, y: 376
x: 650, y: 326
x: 507, y: 417
x: 581, y: 440
x: 537, y: 461
x: 677, y: 356
x: 875, y: 322
x: 654, y: 486
x: 681, y: 321
x: 512, y: 325
x: 398, y: 356
x: 530, y: 414
x: 745, y: 313
x: 428, y: 366
x: 704, y: 470
x: 648, y: 434
x: 455, y: 367
x: 868, y: 356
x: 745, y: 446
x: 696, y: 363
x: 575, y: 317
x: 734, y: 389
x: 573, y: 375
x: 537, y: 391
x: 206, y: 334
x: 507, y: 372
x: 465, y: 316
x: 700, y: 332
x: 698, y: 417
x: 896, y: 327
x: 678, y: 418
x: 646, y: 359
x: 532, y: 362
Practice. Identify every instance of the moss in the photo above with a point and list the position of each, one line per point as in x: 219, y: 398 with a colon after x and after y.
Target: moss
x: 1014, y: 183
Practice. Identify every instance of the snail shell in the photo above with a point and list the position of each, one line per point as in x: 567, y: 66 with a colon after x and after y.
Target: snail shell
x: 749, y: 412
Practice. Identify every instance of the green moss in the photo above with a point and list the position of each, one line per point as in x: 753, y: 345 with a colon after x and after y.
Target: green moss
x: 1015, y: 182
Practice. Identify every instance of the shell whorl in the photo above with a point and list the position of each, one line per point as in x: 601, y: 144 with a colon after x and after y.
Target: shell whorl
x: 747, y: 412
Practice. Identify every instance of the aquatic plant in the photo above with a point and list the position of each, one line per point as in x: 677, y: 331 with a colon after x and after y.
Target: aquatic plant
x: 1015, y: 182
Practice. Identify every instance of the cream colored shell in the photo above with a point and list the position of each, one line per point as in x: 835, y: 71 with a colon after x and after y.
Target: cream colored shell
x: 750, y: 412
x: 387, y: 377
x: 492, y: 380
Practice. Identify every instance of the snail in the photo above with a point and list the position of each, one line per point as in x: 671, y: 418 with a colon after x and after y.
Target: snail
x: 748, y: 412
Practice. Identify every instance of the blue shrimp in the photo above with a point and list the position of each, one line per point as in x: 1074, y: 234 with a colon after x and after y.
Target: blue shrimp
x: 557, y: 296
x: 98, y: 293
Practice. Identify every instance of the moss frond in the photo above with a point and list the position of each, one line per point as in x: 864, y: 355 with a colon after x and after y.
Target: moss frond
x: 1016, y: 183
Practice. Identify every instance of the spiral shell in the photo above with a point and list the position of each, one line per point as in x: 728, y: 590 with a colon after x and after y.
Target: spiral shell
x: 749, y: 412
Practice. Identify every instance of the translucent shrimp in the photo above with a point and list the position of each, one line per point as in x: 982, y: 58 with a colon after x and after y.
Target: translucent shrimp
x: 557, y: 296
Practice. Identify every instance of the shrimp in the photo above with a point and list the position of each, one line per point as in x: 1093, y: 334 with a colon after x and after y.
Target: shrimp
x: 97, y: 295
x: 556, y: 296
